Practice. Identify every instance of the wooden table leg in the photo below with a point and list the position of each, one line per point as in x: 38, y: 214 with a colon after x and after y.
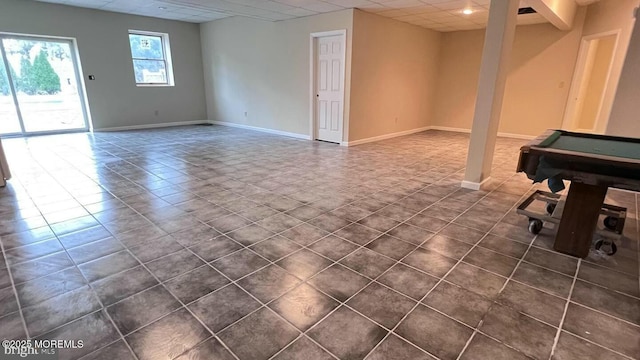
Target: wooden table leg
x: 579, y: 219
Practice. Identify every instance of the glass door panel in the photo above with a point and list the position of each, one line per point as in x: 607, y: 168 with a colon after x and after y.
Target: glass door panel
x: 46, y: 84
x: 9, y: 120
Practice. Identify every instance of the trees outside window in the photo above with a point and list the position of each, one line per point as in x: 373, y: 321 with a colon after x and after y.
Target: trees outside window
x: 37, y: 78
x: 4, y: 79
x: 45, y: 79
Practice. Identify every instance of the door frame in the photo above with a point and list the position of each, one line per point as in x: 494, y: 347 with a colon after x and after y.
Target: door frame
x: 80, y: 84
x: 313, y: 41
x: 605, y: 107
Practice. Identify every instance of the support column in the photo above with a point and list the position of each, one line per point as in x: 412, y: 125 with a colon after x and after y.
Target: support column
x: 498, y: 43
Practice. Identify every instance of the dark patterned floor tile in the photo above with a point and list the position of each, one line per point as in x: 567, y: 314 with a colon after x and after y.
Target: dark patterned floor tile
x: 223, y: 307
x: 303, y: 306
x: 142, y: 308
x: 268, y: 334
x: 347, y: 334
x: 339, y: 282
x: 168, y: 337
x: 196, y: 283
x: 434, y: 332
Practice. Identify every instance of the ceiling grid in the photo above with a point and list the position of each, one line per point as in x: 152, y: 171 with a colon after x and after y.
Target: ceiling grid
x: 439, y: 15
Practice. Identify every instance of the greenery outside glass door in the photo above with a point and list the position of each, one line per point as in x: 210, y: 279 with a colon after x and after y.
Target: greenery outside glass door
x: 39, y: 78
x: 9, y: 119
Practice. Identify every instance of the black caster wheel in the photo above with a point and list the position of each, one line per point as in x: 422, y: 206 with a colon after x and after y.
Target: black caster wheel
x: 610, y: 222
x: 535, y: 226
x: 551, y: 208
x: 608, y: 247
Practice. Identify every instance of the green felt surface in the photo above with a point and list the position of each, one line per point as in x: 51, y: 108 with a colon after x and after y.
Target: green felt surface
x: 629, y: 150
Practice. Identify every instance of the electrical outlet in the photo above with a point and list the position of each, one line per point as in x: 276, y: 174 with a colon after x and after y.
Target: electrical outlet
x: 156, y: 113
x: 396, y: 119
x: 246, y: 114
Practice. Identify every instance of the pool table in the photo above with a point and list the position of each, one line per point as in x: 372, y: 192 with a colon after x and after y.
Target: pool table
x: 592, y: 163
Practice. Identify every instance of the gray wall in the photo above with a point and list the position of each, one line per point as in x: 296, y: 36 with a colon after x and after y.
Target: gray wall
x: 262, y: 68
x: 102, y: 37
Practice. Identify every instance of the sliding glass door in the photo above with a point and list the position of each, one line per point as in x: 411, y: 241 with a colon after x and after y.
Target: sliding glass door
x: 9, y: 119
x: 41, y: 92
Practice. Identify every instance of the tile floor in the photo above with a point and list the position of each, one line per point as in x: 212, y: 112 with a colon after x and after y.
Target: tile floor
x: 218, y: 243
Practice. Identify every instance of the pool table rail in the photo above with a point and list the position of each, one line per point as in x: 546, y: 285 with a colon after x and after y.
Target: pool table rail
x: 587, y: 168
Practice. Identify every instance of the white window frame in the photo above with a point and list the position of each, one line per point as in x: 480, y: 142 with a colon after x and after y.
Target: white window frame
x: 166, y: 48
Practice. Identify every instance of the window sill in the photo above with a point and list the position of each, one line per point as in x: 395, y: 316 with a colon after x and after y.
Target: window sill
x: 155, y: 85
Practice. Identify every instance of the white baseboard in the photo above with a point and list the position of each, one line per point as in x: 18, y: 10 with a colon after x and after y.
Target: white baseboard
x: 302, y: 136
x: 384, y: 137
x: 152, y: 126
x: 468, y: 131
x: 516, y: 136
x: 265, y: 130
x: 452, y: 129
x: 474, y: 185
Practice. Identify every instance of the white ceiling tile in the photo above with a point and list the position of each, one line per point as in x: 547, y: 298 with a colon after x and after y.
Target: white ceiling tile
x: 376, y: 10
x: 441, y: 15
x: 409, y: 18
x: 297, y: 3
x: 266, y: 5
x: 433, y: 2
x: 87, y: 3
x: 459, y: 12
x: 274, y: 16
x: 400, y: 4
x: 480, y: 19
x: 454, y: 5
x: 299, y: 12
x: 419, y: 9
x: 424, y: 9
x: 393, y: 13
x: 207, y: 18
x: 350, y: 3
x: 320, y: 6
x: 372, y: 7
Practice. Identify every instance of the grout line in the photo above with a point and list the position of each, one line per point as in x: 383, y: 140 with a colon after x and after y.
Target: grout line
x: 607, y: 315
x: 598, y: 345
x: 564, y: 313
x: 15, y: 291
x: 473, y: 335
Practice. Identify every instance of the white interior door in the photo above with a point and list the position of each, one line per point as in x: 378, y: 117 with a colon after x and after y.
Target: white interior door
x: 585, y: 110
x: 330, y: 87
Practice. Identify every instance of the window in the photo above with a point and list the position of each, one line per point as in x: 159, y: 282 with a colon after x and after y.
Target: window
x: 151, y: 58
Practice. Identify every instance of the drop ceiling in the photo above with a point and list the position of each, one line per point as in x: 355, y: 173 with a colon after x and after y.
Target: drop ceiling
x: 440, y: 15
